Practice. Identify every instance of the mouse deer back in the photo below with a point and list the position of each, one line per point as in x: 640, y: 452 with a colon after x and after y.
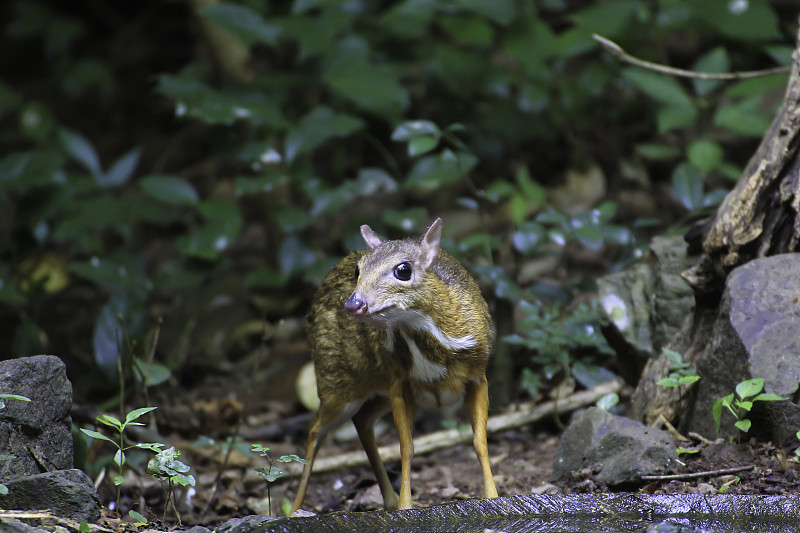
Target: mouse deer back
x: 398, y: 324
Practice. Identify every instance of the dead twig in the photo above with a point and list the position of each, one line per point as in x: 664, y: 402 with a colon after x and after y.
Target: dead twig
x: 617, y: 51
x: 693, y: 475
x: 525, y: 414
x: 701, y: 438
x: 662, y: 421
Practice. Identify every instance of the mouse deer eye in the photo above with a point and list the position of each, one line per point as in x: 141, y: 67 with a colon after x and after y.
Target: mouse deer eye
x: 403, y: 271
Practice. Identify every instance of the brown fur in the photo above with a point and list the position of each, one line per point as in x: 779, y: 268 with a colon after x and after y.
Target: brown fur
x: 352, y: 363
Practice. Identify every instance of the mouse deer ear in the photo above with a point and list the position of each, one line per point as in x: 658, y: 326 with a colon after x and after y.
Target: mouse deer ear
x: 370, y: 237
x: 429, y: 243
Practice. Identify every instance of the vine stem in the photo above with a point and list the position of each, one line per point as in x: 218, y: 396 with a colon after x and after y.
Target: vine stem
x: 617, y: 51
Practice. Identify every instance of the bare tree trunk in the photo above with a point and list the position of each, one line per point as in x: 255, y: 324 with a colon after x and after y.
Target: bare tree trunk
x: 759, y: 217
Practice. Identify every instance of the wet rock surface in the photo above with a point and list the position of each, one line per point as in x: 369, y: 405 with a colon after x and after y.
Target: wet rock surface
x: 602, y: 512
x: 615, y: 450
x: 755, y: 336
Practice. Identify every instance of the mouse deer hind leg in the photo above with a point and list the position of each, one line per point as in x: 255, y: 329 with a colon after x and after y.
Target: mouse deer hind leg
x: 476, y: 403
x: 329, y: 416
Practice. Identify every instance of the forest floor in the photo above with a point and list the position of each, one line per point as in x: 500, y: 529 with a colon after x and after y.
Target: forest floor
x: 521, y: 459
x: 522, y: 462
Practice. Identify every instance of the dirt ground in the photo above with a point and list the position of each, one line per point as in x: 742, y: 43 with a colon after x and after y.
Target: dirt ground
x: 522, y: 463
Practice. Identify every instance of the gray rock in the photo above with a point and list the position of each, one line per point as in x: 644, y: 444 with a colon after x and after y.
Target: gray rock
x: 622, y: 449
x: 646, y: 304
x: 755, y: 336
x: 66, y: 493
x: 36, y: 433
x: 252, y: 522
x: 198, y: 529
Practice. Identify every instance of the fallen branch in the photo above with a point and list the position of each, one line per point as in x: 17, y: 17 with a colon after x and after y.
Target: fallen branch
x: 617, y: 51
x: 692, y: 475
x: 46, y: 517
x: 524, y: 414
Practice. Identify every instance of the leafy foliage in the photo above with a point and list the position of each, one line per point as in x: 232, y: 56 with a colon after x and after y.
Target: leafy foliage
x: 260, y: 158
x: 681, y: 374
x: 741, y: 402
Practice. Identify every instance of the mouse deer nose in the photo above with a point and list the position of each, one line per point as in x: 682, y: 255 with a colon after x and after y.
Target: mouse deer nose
x: 355, y: 306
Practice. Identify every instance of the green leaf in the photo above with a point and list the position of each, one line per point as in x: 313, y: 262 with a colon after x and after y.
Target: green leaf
x: 705, y: 155
x: 674, y: 117
x: 688, y: 380
x: 222, y: 227
x: 674, y: 357
x: 137, y: 518
x: 374, y: 87
x: 612, y: 19
x: 15, y: 397
x: 242, y: 22
x: 97, y: 435
x: 528, y: 237
x: 434, y: 171
x: 106, y: 337
x: 119, y: 458
x: 20, y: 171
x: 744, y: 117
x: 687, y: 181
x: 136, y: 413
x: 170, y: 190
x: 121, y: 171
x: 749, y: 387
x: 421, y: 145
x: 661, y: 88
x: 110, y: 420
x: 502, y: 12
x: 3, y: 490
x: 81, y: 151
x: 415, y: 128
x: 768, y: 397
x: 589, y: 236
x: 295, y: 256
x: 757, y: 86
x: 407, y: 220
x: 317, y: 127
x: 716, y: 61
x: 245, y: 185
x: 743, y: 425
x: 751, y: 20
x: 290, y: 458
x: 468, y: 30
x: 608, y: 401
x: 533, y: 192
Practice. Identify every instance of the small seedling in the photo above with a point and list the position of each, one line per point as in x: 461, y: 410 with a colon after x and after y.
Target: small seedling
x: 681, y: 373
x: 166, y: 467
x: 725, y: 486
x: 741, y: 402
x: 119, y: 457
x: 272, y: 473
